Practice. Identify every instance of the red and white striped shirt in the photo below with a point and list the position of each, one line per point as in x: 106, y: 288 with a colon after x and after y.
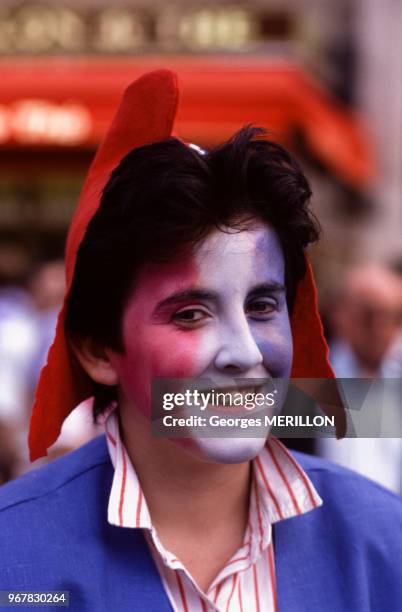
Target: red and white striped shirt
x: 280, y: 490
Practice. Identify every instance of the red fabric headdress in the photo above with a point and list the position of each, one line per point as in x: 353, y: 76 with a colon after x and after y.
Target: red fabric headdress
x: 146, y: 115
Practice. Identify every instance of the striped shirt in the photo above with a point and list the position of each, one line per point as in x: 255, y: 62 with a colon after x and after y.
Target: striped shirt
x: 280, y: 490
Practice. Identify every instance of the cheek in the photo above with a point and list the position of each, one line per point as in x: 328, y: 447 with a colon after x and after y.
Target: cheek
x: 173, y: 353
x: 156, y: 352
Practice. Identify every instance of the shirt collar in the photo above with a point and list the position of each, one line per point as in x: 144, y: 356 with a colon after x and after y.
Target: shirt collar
x: 281, y: 489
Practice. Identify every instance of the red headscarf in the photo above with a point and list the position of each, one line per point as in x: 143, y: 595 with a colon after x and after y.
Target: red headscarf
x: 145, y: 115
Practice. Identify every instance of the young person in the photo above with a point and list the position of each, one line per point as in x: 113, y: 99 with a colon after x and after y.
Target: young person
x: 190, y: 264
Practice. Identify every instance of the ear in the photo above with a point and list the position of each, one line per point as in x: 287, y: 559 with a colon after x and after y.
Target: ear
x: 94, y: 359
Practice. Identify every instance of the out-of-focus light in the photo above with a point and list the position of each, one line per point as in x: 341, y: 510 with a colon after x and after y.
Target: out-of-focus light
x: 32, y: 122
x: 71, y: 31
x: 36, y: 29
x: 119, y: 31
x: 43, y: 29
x: 217, y: 29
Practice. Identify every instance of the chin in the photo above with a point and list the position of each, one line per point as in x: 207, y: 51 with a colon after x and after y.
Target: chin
x: 227, y: 450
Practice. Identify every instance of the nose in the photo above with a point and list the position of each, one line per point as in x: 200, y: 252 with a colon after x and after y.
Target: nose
x: 238, y: 350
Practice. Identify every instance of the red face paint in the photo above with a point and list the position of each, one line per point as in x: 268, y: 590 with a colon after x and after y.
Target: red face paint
x: 155, y: 347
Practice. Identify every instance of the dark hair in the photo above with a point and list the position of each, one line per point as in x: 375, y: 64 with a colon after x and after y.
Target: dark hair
x: 161, y: 201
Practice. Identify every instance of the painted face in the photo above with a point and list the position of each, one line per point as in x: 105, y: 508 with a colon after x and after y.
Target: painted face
x: 220, y: 314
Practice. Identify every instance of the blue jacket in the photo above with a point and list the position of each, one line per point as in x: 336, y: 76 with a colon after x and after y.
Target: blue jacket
x: 54, y: 535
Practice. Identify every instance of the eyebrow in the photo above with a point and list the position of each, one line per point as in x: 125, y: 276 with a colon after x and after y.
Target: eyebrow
x: 194, y: 293
x: 185, y: 296
x: 264, y: 288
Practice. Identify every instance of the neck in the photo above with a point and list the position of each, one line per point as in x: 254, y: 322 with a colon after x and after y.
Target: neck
x: 182, y: 489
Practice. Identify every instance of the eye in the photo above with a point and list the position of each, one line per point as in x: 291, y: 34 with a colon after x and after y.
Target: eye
x: 190, y: 317
x: 261, y: 308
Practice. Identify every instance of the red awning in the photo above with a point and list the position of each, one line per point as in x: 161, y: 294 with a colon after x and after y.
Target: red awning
x: 69, y: 102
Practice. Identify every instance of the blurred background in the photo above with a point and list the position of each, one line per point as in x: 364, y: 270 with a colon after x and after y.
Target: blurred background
x: 324, y: 78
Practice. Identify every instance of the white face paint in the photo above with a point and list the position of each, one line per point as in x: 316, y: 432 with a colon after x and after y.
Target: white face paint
x: 246, y: 326
x: 220, y: 315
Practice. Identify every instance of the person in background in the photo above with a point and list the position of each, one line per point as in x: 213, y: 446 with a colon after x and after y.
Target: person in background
x: 17, y: 344
x: 366, y: 320
x: 366, y: 325
x: 47, y: 287
x: 17, y: 332
x: 30, y: 298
